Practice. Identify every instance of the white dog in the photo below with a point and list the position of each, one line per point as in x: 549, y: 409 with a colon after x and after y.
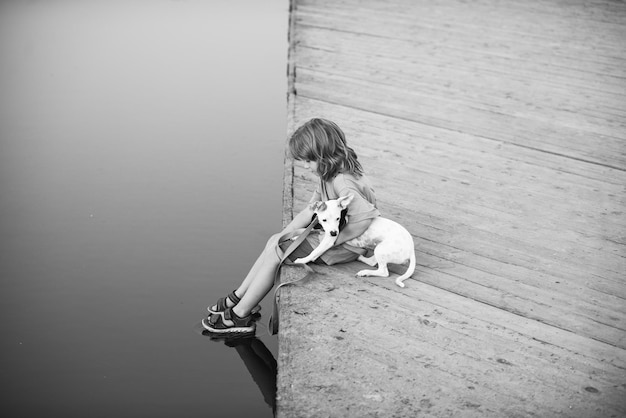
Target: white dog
x: 391, y: 242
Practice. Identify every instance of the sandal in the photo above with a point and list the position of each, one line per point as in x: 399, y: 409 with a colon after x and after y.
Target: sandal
x: 222, y: 306
x: 241, y: 326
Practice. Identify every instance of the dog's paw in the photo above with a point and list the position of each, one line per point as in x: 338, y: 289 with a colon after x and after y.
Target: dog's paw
x: 300, y: 261
x: 362, y: 273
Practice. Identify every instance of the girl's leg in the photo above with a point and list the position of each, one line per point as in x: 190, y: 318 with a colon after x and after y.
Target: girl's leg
x: 258, y: 284
x: 254, y: 271
x: 260, y: 279
x: 268, y: 251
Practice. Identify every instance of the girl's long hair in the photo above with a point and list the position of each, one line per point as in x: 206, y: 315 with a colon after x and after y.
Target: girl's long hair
x: 322, y: 141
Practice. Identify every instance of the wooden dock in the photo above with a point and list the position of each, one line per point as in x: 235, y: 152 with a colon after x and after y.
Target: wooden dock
x: 495, y: 131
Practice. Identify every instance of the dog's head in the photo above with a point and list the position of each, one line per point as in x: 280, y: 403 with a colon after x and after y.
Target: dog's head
x: 329, y: 213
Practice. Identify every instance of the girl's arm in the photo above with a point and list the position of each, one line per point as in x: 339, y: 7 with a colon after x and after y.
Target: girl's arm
x: 301, y: 220
x: 352, y: 230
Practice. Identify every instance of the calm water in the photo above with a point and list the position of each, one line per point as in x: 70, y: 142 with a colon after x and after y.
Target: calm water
x: 141, y: 147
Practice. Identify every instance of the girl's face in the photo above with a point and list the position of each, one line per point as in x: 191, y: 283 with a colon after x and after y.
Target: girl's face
x: 312, y: 166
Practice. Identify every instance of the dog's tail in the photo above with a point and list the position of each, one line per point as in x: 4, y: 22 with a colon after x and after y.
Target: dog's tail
x: 409, y: 271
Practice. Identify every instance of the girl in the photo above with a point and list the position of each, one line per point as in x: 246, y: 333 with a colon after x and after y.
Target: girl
x: 322, y: 145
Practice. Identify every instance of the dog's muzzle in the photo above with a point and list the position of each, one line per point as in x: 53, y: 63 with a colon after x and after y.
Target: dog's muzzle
x: 333, y: 233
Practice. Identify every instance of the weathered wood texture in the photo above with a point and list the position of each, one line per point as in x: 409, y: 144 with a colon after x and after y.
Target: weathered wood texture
x: 495, y: 132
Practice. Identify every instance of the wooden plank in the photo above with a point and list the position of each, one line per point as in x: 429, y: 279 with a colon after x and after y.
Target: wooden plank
x: 538, y: 209
x: 494, y: 131
x: 399, y: 103
x: 427, y: 137
x: 498, y: 88
x: 452, y: 364
x: 502, y: 264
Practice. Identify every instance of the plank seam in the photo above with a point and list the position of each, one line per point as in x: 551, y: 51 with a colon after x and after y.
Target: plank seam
x: 614, y: 167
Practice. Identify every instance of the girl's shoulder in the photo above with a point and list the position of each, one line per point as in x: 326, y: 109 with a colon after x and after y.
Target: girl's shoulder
x: 364, y: 204
x: 343, y: 179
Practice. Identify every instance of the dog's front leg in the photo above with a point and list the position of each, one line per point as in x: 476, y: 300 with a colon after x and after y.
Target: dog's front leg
x: 327, y: 242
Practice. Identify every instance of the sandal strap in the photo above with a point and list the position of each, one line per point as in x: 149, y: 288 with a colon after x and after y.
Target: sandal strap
x: 217, y: 320
x: 221, y: 304
x: 233, y: 297
x: 237, y: 320
x: 213, y: 318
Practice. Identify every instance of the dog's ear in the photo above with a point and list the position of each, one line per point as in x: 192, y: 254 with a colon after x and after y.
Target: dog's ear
x: 317, y: 206
x: 345, y: 200
x: 313, y: 206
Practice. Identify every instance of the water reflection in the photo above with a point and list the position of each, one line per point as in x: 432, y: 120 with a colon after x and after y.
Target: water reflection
x: 259, y: 361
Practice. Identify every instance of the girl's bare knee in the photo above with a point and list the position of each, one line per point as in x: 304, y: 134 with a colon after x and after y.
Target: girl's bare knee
x: 272, y: 242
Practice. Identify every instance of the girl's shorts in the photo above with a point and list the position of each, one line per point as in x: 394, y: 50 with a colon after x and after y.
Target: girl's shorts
x: 334, y: 255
